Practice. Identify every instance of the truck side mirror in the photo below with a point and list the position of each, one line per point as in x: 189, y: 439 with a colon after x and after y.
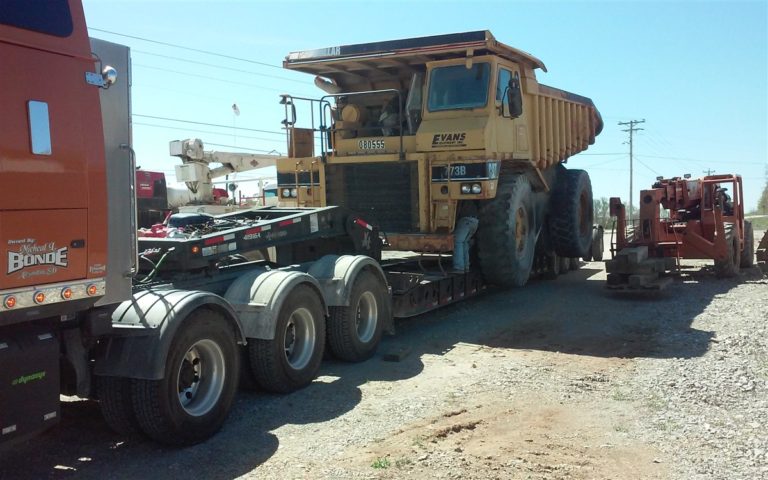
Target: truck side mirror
x: 513, y: 99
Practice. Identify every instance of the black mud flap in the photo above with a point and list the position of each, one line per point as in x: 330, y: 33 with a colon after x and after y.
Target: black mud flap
x: 29, y: 381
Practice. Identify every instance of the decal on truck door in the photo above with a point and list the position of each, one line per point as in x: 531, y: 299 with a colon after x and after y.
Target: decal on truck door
x: 35, y: 259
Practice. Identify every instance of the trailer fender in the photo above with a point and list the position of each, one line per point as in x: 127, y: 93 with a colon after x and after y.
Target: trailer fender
x: 337, y: 274
x: 143, y: 328
x: 257, y: 298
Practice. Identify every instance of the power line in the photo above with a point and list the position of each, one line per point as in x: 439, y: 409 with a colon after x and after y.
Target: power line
x: 197, y: 50
x: 632, y: 129
x: 735, y: 162
x: 208, y: 124
x: 224, y: 134
x: 220, y: 67
x: 243, y: 148
x: 206, y: 77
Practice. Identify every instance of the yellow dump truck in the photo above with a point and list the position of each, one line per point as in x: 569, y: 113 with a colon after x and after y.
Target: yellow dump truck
x: 450, y: 145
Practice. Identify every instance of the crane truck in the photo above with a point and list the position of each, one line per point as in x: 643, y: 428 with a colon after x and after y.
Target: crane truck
x: 450, y: 145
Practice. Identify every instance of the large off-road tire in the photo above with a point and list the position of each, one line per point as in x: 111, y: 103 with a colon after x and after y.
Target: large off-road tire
x: 551, y: 266
x: 575, y: 263
x: 597, y: 247
x: 192, y: 400
x: 506, y: 236
x: 292, y: 359
x: 571, y: 214
x: 354, y: 332
x: 114, y: 395
x: 747, y: 258
x: 565, y: 265
x: 730, y: 266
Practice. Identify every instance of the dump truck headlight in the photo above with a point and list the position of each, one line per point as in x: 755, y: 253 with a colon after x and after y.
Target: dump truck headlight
x: 466, y: 188
x: 477, y: 188
x: 286, y: 192
x: 294, y: 193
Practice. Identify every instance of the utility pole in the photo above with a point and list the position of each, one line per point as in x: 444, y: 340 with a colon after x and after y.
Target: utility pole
x: 632, y: 129
x: 708, y: 171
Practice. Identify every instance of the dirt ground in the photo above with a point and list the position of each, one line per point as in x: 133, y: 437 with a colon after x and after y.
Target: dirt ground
x: 560, y: 379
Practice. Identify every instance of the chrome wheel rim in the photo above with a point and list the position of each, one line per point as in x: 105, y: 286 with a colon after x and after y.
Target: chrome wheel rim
x: 299, y: 344
x: 200, y: 377
x: 366, y: 315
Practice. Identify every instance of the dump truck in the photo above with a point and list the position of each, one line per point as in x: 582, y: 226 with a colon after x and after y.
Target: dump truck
x: 450, y: 145
x: 680, y: 218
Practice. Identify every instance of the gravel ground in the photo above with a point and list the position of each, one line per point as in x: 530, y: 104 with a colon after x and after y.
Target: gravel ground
x: 561, y: 379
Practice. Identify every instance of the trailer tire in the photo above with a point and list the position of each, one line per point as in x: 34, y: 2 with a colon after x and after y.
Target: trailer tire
x: 301, y: 319
x: 551, y: 266
x: 596, y: 250
x: 114, y: 395
x: 202, y: 366
x: 748, y: 254
x: 730, y: 266
x: 565, y: 265
x: 354, y: 332
x: 572, y: 214
x: 506, y: 234
x: 575, y: 263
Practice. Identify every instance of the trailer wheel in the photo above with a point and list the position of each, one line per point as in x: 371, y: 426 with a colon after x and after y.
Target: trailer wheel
x: 565, y: 265
x: 292, y: 359
x: 506, y: 235
x: 597, y: 245
x: 193, y: 399
x: 354, y: 332
x: 575, y: 263
x: 551, y: 266
x: 571, y: 214
x: 748, y: 254
x: 114, y: 395
x: 730, y: 266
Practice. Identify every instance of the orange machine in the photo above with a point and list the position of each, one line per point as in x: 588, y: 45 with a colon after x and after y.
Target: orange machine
x: 681, y: 218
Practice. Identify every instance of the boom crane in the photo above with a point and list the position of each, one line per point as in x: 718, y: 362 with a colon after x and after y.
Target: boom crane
x: 196, y: 172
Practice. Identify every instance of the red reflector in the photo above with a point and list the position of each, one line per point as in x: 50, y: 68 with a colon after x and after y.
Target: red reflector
x: 39, y: 297
x: 285, y: 223
x: 195, y: 249
x: 92, y: 290
x: 213, y: 241
x: 9, y: 302
x: 66, y: 294
x: 251, y: 231
x: 363, y: 224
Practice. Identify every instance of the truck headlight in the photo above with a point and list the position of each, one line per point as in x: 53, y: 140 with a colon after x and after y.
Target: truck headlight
x: 477, y: 188
x: 286, y: 192
x: 294, y: 193
x: 466, y: 188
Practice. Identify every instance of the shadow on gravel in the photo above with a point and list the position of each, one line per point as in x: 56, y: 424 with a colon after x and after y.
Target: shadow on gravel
x: 82, y: 446
x: 573, y: 314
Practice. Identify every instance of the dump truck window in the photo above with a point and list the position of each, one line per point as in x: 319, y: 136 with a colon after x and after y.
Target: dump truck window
x: 504, y: 77
x: 51, y: 17
x: 457, y: 87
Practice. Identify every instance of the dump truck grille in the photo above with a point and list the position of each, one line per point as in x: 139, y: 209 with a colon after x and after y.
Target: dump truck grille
x: 386, y: 193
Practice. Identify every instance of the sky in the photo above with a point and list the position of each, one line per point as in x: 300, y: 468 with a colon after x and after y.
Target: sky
x: 695, y: 71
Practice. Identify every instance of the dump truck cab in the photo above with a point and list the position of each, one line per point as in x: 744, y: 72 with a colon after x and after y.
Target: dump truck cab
x: 417, y: 133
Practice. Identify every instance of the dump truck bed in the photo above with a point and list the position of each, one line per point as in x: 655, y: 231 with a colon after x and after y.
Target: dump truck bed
x: 561, y: 123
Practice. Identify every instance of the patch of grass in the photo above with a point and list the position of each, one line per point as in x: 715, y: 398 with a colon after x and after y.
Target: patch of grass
x: 418, y: 441
x: 621, y: 428
x: 381, y: 463
x: 620, y: 396
x: 655, y: 402
x: 403, y: 462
